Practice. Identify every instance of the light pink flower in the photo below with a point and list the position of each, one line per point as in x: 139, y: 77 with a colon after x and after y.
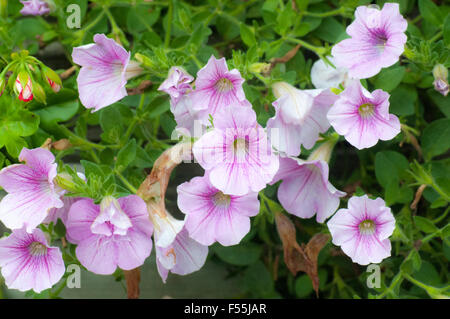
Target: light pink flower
x: 213, y: 216
x: 114, y: 234
x: 363, y: 229
x: 217, y: 88
x: 105, y: 69
x: 300, y: 116
x: 34, y: 7
x: 305, y: 189
x: 31, y: 189
x: 182, y: 257
x: 28, y: 262
x: 363, y: 117
x: 177, y: 83
x: 180, y: 92
x: 377, y: 41
x: 324, y: 76
x: 236, y: 152
x: 25, y: 93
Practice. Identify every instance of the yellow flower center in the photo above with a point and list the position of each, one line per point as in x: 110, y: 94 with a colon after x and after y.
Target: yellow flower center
x: 223, y: 85
x: 367, y: 227
x: 37, y: 249
x: 221, y: 199
x: 366, y: 109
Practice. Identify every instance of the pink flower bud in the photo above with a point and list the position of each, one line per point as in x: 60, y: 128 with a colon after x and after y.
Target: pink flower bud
x: 25, y: 93
x: 55, y: 86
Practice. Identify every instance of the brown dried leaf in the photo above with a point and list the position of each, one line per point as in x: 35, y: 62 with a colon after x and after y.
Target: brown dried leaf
x: 153, y: 188
x: 133, y: 278
x: 302, y: 258
x: 313, y: 248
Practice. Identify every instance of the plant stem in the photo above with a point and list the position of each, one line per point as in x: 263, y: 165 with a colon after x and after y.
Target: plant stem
x: 318, y: 50
x: 169, y: 24
x: 127, y: 183
x: 325, y: 14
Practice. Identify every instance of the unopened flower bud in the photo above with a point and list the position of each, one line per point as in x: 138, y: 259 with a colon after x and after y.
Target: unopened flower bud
x: 440, y: 74
x: 52, y: 78
x: 24, y: 87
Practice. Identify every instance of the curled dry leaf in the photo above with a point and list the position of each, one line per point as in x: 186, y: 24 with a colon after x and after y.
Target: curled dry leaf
x: 300, y: 258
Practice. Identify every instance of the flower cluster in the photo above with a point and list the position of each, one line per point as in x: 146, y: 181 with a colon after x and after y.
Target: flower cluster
x: 239, y: 156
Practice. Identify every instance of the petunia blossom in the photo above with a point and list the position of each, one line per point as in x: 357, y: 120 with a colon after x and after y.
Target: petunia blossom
x: 362, y: 230
x: 217, y: 88
x: 31, y: 190
x: 182, y: 257
x: 300, y: 117
x: 377, y: 41
x: 114, y: 234
x: 28, y: 262
x: 34, y: 7
x: 236, y: 153
x: 324, y: 76
x: 305, y: 190
x: 105, y: 69
x: 214, y: 216
x: 177, y: 83
x: 362, y: 117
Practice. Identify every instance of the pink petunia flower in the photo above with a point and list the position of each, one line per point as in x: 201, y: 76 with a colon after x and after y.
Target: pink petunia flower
x: 214, y: 216
x: 236, y: 152
x: 105, y: 69
x: 363, y: 117
x: 305, y: 189
x: 300, y: 117
x: 217, y: 88
x: 363, y: 229
x: 182, y: 257
x: 377, y: 41
x: 177, y: 83
x: 180, y: 92
x: 34, y: 7
x: 28, y: 262
x: 114, y: 234
x: 31, y: 190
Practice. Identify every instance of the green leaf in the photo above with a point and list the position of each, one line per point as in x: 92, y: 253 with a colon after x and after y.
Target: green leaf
x: 91, y: 169
x: 58, y: 113
x: 112, y: 124
x: 14, y: 145
x: 240, y: 255
x: 431, y: 12
x: 330, y: 30
x: 303, y: 286
x: 442, y: 102
x: 425, y: 225
x: 435, y: 138
x: 402, y: 100
x: 446, y: 30
x: 258, y: 280
x: 389, y: 79
x: 141, y: 18
x: 247, y: 35
x: 389, y: 167
x: 126, y: 155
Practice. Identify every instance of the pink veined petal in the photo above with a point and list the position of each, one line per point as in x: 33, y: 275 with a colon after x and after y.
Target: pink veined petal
x: 132, y: 251
x: 98, y: 254
x: 190, y: 255
x: 80, y: 218
x: 99, y: 87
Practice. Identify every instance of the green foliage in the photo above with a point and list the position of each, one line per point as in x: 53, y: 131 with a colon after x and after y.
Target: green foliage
x: 117, y: 146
